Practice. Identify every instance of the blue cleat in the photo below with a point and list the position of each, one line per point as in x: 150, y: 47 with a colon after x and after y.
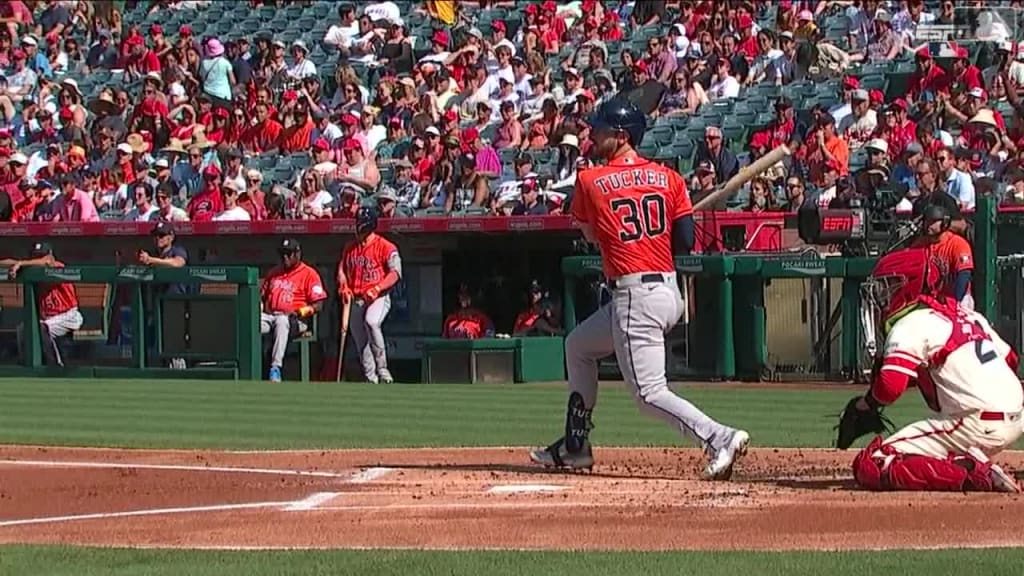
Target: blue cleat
x: 275, y: 374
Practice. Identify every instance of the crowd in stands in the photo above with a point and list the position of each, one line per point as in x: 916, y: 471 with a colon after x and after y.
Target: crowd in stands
x: 247, y: 110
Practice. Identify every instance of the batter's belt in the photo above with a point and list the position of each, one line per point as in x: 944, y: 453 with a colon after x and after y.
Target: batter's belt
x: 630, y: 280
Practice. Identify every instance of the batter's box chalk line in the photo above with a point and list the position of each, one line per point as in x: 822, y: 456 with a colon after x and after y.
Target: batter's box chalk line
x: 525, y: 488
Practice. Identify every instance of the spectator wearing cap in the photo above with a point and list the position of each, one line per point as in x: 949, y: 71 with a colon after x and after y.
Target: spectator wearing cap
x: 298, y: 130
x: 24, y: 209
x: 487, y: 162
x: 860, y: 124
x: 208, y: 202
x: 396, y: 52
x: 422, y: 161
x: 22, y: 80
x: 965, y: 76
x: 232, y: 212
x: 144, y: 208
x: 102, y: 55
x: 714, y: 150
x: 826, y: 151
x: 806, y: 28
x: 387, y: 204
x: 161, y: 46
x: 36, y: 60
x: 45, y: 207
x: 958, y: 185
x: 905, y: 166
x: 573, y: 87
x: 275, y: 66
x: 782, y: 69
x: 252, y: 198
x: 703, y: 184
x: 783, y: 126
x: 140, y: 60
x: 844, y: 108
x: 166, y: 211
x: 895, y: 128
x: 15, y: 173
x: 529, y: 203
x: 724, y: 83
x: 646, y: 93
x: 438, y: 48
x: 57, y: 303
x: 885, y: 43
x: 469, y: 187
x: 73, y: 204
x: 241, y: 68
x: 357, y: 169
x: 405, y: 190
x: 928, y: 76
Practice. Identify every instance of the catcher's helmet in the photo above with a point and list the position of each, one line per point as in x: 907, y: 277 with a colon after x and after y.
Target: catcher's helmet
x: 620, y: 114
x: 366, y: 220
x: 897, y: 281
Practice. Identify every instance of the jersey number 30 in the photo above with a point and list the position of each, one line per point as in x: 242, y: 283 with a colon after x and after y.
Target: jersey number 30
x: 640, y: 217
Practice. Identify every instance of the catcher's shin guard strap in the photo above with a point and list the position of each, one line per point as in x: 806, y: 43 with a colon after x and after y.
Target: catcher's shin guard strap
x: 577, y: 424
x: 880, y: 467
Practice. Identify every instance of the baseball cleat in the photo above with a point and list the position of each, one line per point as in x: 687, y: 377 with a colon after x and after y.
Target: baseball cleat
x: 556, y: 456
x: 275, y: 374
x: 386, y: 378
x: 722, y: 460
x: 1001, y: 481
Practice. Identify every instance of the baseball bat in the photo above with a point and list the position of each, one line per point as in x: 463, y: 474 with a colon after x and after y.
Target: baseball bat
x: 346, y: 309
x: 745, y: 175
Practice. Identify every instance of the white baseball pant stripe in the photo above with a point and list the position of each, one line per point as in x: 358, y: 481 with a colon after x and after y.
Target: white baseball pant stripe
x: 943, y: 435
x: 55, y: 327
x: 280, y: 325
x: 633, y: 326
x: 364, y: 323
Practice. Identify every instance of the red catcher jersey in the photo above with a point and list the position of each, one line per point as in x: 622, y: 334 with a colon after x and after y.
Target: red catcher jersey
x: 365, y: 265
x: 631, y: 203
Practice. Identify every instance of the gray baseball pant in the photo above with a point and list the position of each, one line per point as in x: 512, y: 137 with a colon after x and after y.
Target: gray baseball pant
x: 633, y: 327
x: 56, y: 327
x: 280, y: 324
x: 364, y: 323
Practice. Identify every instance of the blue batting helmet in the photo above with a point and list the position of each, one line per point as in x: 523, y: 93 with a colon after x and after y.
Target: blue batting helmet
x: 620, y: 114
x: 366, y: 220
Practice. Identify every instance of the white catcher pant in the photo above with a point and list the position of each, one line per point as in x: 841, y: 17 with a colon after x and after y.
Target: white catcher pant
x: 633, y: 326
x: 364, y: 323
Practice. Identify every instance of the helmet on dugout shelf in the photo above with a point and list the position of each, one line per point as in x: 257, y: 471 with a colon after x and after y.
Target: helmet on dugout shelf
x: 620, y: 114
x: 366, y: 220
x: 897, y: 281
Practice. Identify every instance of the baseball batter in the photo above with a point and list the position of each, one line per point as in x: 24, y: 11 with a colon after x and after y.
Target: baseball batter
x: 57, y: 302
x: 370, y: 266
x: 964, y: 370
x: 640, y: 216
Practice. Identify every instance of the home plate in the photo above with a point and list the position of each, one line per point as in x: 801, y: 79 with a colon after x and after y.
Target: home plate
x: 525, y: 488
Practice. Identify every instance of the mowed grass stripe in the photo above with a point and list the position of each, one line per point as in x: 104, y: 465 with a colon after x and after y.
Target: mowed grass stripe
x: 67, y: 561
x: 264, y: 416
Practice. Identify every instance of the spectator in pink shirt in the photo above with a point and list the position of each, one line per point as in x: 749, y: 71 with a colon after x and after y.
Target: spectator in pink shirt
x: 487, y: 161
x: 74, y: 205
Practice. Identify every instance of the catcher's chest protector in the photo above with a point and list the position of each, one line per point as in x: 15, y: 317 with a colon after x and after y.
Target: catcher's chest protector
x: 964, y: 330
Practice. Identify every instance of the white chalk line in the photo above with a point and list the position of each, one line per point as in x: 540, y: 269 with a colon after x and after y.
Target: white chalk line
x: 148, y: 512
x: 179, y: 467
x: 369, y: 475
x: 525, y: 488
x: 312, y: 501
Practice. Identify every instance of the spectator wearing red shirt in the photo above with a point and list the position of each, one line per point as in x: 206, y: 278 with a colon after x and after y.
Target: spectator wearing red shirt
x: 12, y: 178
x: 140, y: 60
x: 748, y: 41
x: 928, y: 76
x: 781, y: 129
x: 264, y: 136
x: 208, y: 203
x: 929, y: 140
x: 966, y: 76
x: 296, y: 138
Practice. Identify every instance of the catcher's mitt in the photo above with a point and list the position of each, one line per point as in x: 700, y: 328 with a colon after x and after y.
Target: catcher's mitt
x: 854, y: 423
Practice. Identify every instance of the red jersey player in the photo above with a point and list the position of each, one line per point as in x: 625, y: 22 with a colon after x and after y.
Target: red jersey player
x: 58, y: 303
x: 639, y: 214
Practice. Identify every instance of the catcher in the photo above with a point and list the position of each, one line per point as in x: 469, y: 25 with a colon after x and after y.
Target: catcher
x: 964, y: 370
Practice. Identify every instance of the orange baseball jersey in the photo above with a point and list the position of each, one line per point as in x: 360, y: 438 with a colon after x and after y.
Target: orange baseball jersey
x: 56, y: 298
x: 286, y: 291
x: 365, y: 265
x: 952, y: 254
x: 467, y: 324
x: 631, y: 203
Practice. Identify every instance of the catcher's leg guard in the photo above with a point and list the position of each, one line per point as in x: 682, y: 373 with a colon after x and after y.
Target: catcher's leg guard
x: 880, y: 467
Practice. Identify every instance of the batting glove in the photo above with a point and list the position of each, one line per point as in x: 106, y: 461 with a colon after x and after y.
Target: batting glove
x: 373, y: 292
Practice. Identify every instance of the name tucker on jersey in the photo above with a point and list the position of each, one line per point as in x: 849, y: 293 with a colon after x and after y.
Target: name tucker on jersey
x: 630, y: 178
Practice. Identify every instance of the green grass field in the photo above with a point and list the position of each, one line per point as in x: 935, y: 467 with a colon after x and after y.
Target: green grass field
x: 187, y: 414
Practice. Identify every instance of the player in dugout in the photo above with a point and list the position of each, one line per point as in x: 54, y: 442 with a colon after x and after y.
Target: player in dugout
x: 57, y: 303
x: 292, y: 293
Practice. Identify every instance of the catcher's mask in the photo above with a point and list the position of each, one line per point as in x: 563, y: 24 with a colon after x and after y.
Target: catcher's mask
x: 896, y: 282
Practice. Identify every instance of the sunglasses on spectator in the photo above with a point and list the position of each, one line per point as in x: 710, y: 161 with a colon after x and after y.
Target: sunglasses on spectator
x: 195, y: 155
